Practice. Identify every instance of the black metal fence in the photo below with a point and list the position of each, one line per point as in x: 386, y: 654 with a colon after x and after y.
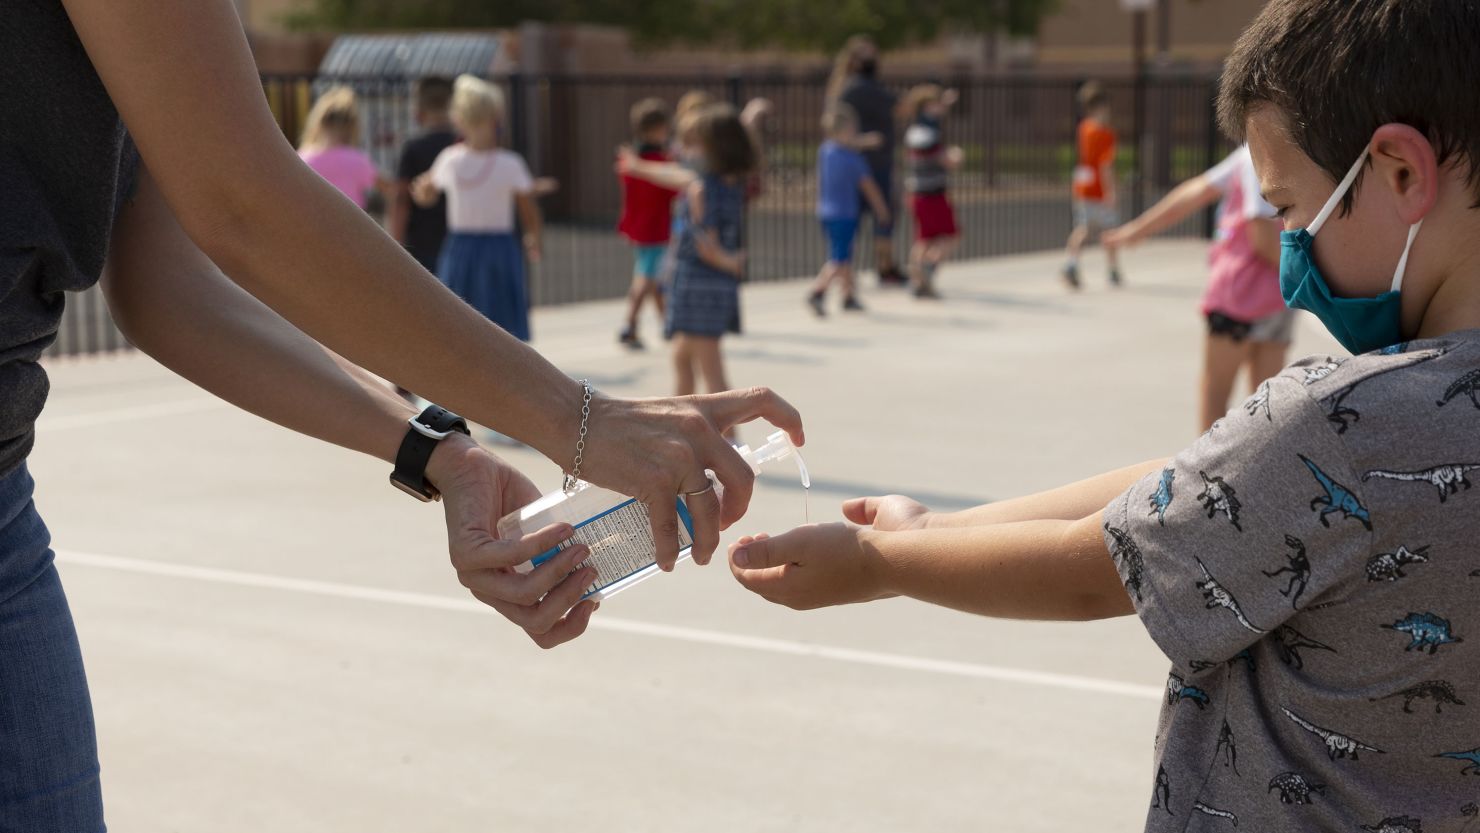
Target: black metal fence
x: 1011, y: 194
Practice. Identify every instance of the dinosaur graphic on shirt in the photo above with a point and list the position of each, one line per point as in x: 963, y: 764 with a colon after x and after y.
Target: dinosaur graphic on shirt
x: 1227, y: 746
x: 1393, y: 349
x: 1440, y: 691
x: 1294, y: 789
x: 1298, y: 566
x: 1338, y: 498
x: 1259, y: 401
x: 1178, y: 690
x: 1213, y: 811
x: 1161, y: 796
x: 1217, y: 496
x: 1388, y: 566
x: 1337, y: 413
x: 1447, y: 478
x: 1291, y: 641
x: 1468, y: 385
x: 1200, y: 665
x: 1395, y: 824
x: 1427, y: 630
x: 1162, y: 497
x: 1128, y: 556
x: 1471, y: 759
x: 1218, y: 596
x: 1337, y: 744
x: 1321, y: 371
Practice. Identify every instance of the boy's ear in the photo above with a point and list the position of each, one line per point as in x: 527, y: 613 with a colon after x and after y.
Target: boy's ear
x: 1403, y: 161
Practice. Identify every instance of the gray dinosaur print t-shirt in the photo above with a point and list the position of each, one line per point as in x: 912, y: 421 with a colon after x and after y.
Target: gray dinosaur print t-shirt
x: 1311, y: 566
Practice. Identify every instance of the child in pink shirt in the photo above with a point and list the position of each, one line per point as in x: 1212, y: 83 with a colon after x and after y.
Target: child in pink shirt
x: 330, y: 146
x: 1248, y: 323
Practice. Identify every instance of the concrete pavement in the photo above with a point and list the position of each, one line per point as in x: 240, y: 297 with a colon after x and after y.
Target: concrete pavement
x: 275, y: 640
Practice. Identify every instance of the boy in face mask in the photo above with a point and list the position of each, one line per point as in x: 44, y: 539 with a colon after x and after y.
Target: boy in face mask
x: 1309, y: 564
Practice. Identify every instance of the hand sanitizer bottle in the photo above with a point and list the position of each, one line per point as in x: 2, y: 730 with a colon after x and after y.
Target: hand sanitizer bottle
x: 616, y: 527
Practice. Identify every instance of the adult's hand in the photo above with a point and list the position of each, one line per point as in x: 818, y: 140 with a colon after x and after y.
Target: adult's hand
x: 477, y: 489
x: 658, y: 449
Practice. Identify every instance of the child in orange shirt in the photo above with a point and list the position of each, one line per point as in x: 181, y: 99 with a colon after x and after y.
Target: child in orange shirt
x: 1094, y: 182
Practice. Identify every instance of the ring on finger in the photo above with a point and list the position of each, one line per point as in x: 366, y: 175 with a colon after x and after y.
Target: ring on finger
x: 704, y: 491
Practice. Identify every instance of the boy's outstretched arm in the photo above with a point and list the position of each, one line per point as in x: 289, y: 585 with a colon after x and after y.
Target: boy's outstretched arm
x: 1058, y: 570
x: 893, y: 513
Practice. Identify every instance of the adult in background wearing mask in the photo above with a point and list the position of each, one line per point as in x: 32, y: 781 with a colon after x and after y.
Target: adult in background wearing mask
x: 855, y: 82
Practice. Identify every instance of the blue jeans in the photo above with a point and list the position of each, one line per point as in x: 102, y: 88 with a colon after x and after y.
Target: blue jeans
x: 48, y: 746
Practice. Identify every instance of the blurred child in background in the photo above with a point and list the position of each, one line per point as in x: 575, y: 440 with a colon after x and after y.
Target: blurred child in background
x: 1248, y: 322
x: 422, y: 230
x: 330, y: 144
x: 844, y: 181
x: 704, y: 299
x: 481, y: 261
x: 647, y: 215
x: 927, y: 169
x: 1094, y: 182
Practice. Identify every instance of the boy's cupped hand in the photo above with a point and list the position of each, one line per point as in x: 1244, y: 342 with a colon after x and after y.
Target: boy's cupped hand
x: 890, y: 513
x: 812, y: 566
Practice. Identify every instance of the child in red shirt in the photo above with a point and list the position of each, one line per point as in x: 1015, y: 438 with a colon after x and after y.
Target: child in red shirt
x: 647, y: 217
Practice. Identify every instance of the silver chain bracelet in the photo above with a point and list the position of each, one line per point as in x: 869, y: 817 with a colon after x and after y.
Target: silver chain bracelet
x: 575, y: 470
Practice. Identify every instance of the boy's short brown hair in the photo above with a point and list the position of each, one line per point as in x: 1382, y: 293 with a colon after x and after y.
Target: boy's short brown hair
x: 649, y: 114
x: 433, y: 94
x: 727, y: 146
x: 1092, y: 96
x: 1338, y: 71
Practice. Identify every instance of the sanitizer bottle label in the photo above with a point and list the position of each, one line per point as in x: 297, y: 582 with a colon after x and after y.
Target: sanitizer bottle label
x: 621, y: 543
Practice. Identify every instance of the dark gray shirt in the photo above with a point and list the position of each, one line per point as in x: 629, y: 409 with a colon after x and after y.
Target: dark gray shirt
x: 874, y: 104
x: 1310, y: 566
x: 65, y: 166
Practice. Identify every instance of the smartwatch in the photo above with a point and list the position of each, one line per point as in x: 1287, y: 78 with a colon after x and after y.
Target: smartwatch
x: 427, y: 429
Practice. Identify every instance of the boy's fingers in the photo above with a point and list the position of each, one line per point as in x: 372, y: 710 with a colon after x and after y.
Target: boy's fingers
x: 861, y: 510
x: 759, y: 554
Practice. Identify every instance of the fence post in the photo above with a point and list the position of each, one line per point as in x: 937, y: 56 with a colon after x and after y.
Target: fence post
x: 733, y: 90
x: 1210, y: 213
x: 518, y: 114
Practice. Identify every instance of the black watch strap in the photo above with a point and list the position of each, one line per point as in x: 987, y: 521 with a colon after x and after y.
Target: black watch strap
x: 426, y: 430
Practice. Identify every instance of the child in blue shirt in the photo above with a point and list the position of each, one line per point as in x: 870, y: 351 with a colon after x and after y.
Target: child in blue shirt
x: 842, y: 178
x: 1309, y: 565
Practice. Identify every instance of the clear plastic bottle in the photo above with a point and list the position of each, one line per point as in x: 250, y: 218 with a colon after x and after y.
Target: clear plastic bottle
x: 616, y: 527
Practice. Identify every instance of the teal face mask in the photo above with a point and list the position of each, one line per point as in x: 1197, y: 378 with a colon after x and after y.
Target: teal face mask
x: 1360, y: 324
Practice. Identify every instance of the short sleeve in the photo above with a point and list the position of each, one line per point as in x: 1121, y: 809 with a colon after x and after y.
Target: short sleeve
x: 1249, y: 525
x: 1221, y: 175
x: 369, y: 174
x: 1255, y: 207
x: 519, y: 178
x: 441, y: 170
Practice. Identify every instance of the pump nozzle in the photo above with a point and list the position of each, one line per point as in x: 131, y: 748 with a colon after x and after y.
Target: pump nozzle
x: 776, y: 447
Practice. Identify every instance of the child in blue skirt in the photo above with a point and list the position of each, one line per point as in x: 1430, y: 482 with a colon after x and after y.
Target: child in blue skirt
x: 481, y: 261
x: 704, y: 299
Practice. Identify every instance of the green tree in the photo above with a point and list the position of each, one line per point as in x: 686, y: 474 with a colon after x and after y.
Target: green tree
x: 790, y: 24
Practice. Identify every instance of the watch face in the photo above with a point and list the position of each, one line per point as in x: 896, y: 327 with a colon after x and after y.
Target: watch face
x: 412, y: 490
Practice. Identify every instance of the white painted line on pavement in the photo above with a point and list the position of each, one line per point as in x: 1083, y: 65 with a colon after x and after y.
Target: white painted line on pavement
x: 154, y: 410
x: 607, y: 623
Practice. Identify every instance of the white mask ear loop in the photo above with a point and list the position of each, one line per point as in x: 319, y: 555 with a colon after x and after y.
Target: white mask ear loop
x: 1335, y: 200
x: 1403, y: 261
